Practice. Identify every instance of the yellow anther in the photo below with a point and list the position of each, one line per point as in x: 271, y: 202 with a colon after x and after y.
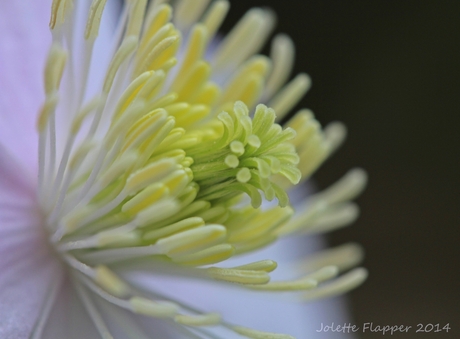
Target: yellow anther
x: 198, y: 320
x: 335, y: 133
x: 187, y: 12
x: 324, y: 273
x: 339, y: 286
x: 130, y: 93
x: 266, y: 221
x: 190, y: 210
x: 246, y: 84
x: 208, y: 94
x: 136, y: 17
x: 179, y: 226
x: 168, y: 144
x: 245, y: 277
x: 80, y: 154
x: 153, y: 309
x: 294, y: 285
x: 94, y: 19
x: 121, y: 166
x: 209, y: 256
x: 157, y: 212
x: 111, y: 282
x: 347, y: 188
x: 149, y: 174
x: 176, y: 182
x: 54, y: 68
x: 290, y: 95
x: 282, y: 54
x: 59, y: 10
x: 254, y: 334
x: 196, y: 114
x: 195, y: 49
x: 127, y: 47
x: 196, y: 77
x: 193, y: 240
x: 344, y: 257
x: 263, y: 265
x: 156, y: 20
x: 146, y: 198
x: 110, y: 238
x: 148, y: 63
x: 215, y: 16
x: 121, y: 126
x: 152, y: 86
x: 336, y: 216
x: 239, y: 43
x: 88, y: 108
x: 47, y: 109
x: 151, y: 143
x: 163, y: 32
x: 214, y: 213
x: 144, y: 128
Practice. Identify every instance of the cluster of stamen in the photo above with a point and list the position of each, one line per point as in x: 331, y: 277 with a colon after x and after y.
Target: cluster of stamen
x: 156, y: 164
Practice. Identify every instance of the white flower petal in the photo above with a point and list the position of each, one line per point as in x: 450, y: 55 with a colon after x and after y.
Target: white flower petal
x: 26, y: 265
x: 23, y: 48
x: 68, y: 318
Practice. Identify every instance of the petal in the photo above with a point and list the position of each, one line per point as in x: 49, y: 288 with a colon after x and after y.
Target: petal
x: 27, y: 270
x: 68, y: 318
x: 24, y: 43
x: 26, y: 264
x: 269, y: 312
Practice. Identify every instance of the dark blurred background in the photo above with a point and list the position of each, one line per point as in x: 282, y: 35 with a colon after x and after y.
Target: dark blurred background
x: 390, y: 70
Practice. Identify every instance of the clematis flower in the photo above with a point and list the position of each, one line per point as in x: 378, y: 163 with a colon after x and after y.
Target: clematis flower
x: 149, y: 152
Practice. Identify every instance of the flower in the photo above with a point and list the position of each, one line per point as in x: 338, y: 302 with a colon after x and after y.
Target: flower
x: 154, y: 156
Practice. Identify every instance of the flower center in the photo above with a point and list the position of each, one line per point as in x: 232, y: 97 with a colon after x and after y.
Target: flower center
x: 154, y: 166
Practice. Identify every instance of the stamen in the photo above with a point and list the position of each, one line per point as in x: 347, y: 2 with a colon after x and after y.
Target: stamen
x: 111, y: 283
x: 254, y: 334
x: 244, y: 39
x: 198, y: 320
x: 93, y: 312
x: 192, y: 240
x: 94, y: 19
x: 45, y: 311
x: 245, y: 277
x: 136, y: 17
x: 188, y: 12
x: 333, y: 218
x: 182, y: 225
x: 153, y: 309
x: 209, y: 256
x: 344, y: 257
x: 59, y: 10
x: 294, y: 285
x: 263, y: 265
x: 127, y: 48
x: 341, y: 285
x: 335, y: 133
x: 215, y: 16
x: 282, y: 54
x: 290, y: 95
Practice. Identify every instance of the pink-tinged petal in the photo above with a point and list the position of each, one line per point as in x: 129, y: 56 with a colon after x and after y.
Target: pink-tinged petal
x: 27, y: 266
x: 68, y: 318
x: 24, y: 42
x: 27, y: 271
